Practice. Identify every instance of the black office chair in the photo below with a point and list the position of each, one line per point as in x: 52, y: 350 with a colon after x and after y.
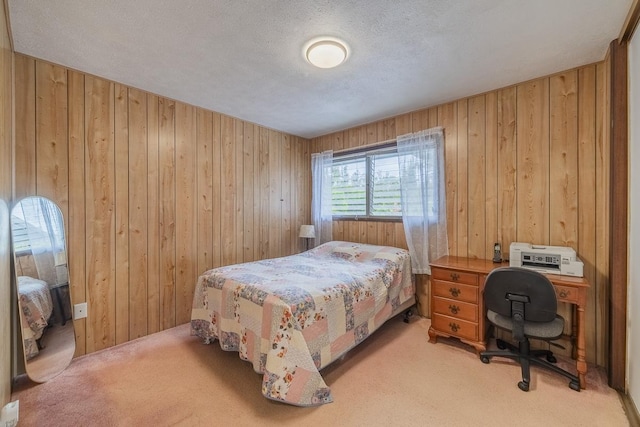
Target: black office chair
x: 524, y: 302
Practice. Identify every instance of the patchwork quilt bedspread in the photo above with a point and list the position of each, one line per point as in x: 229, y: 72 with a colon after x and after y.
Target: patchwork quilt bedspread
x: 292, y: 316
x: 36, y: 309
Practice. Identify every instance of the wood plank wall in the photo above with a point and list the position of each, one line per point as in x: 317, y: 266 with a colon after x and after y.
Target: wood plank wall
x: 526, y: 163
x: 6, y: 294
x: 153, y: 192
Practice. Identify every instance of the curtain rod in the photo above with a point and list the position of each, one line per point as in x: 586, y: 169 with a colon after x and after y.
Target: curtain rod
x: 365, y: 147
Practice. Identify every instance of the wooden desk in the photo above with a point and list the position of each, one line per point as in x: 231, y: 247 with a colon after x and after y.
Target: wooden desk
x: 457, y: 306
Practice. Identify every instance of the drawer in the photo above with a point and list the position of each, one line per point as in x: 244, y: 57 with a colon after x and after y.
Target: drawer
x: 457, y: 291
x: 566, y: 294
x: 457, y: 309
x: 454, y: 276
x: 455, y: 327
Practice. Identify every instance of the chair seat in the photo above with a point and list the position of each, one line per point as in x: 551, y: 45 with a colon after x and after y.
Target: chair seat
x: 543, y: 330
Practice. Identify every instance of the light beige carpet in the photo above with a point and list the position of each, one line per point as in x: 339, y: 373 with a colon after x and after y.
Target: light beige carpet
x: 395, y: 378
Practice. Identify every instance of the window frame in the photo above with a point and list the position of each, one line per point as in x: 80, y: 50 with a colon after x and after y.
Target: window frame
x: 367, y: 153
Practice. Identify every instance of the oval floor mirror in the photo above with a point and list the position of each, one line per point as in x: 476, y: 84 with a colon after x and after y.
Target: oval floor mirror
x: 44, y: 303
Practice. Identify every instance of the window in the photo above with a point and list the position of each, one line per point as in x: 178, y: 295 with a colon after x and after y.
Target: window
x: 366, y: 185
x: 30, y: 228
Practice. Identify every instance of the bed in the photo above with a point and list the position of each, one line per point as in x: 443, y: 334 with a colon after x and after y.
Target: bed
x: 292, y: 316
x: 36, y: 308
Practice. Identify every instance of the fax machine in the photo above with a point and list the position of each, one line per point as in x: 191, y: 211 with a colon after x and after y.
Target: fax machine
x: 545, y: 259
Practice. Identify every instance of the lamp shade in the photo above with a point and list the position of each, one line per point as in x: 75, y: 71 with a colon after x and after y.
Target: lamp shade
x: 308, y: 231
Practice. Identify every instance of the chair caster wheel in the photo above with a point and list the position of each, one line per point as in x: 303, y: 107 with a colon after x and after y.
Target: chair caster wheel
x: 501, y: 344
x: 574, y: 385
x: 484, y: 359
x: 551, y: 358
x: 524, y: 386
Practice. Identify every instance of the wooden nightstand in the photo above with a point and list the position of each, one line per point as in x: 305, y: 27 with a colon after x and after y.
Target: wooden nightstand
x: 455, y: 305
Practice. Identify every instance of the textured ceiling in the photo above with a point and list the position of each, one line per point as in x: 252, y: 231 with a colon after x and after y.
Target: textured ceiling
x: 244, y: 58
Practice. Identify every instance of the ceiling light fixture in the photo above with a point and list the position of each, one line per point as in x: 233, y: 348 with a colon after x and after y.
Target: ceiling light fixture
x: 326, y: 52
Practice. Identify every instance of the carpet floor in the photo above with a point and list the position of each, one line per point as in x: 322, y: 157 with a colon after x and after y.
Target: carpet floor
x: 394, y: 378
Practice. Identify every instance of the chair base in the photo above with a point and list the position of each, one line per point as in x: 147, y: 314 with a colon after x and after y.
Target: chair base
x: 526, y: 357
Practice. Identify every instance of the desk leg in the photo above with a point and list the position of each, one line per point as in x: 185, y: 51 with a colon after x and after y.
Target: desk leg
x: 581, y: 363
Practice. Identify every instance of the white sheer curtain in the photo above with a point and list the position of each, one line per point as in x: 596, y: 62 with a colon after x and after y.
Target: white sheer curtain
x: 424, y: 214
x: 321, y: 212
x: 45, y: 232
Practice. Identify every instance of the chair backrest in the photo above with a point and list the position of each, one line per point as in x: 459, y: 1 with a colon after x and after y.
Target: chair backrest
x: 536, y: 288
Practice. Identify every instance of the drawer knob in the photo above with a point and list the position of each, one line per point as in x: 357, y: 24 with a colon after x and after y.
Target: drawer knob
x: 454, y: 327
x: 454, y: 291
x: 455, y: 277
x: 454, y: 309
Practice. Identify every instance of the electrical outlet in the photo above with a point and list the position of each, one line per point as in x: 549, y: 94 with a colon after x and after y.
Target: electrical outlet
x: 10, y: 414
x: 80, y: 311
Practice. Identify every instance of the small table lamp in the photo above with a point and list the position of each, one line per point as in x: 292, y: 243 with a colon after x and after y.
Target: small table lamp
x: 307, y: 232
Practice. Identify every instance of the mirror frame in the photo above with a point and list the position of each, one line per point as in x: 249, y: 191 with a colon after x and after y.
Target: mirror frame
x: 40, y: 307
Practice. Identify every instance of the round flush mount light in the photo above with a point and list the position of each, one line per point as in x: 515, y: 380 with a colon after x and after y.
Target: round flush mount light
x: 326, y: 52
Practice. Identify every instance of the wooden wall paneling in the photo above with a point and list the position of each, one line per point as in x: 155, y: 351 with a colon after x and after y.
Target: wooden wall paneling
x: 491, y: 178
x: 285, y: 195
x: 563, y: 159
x: 362, y: 231
x: 386, y: 129
x: 351, y: 231
x: 167, y: 211
x: 121, y: 138
x: 338, y: 231
x: 419, y: 120
x: 300, y: 190
x: 51, y: 135
x: 296, y: 181
x: 100, y: 220
x: 356, y: 137
x: 204, y: 170
x: 602, y: 177
x: 371, y: 134
x: 264, y: 193
x: 25, y: 129
x: 229, y: 191
x: 318, y: 143
x: 400, y: 237
x: 76, y: 243
x: 139, y: 226
x: 507, y: 165
x: 275, y: 205
x: 533, y: 162
x: 301, y: 186
x: 402, y: 124
x: 239, y: 197
x: 476, y: 199
x: 249, y: 140
x: 186, y: 210
x: 217, y: 188
x: 153, y: 215
x: 462, y: 185
x: 448, y: 114
x: 587, y: 209
x: 563, y: 166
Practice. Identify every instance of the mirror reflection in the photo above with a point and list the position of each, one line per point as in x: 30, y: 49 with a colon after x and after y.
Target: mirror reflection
x: 44, y: 303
